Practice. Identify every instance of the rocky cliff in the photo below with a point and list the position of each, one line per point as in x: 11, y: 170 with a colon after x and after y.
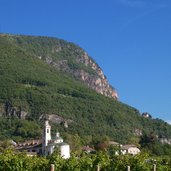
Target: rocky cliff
x: 97, y: 82
x: 66, y: 57
x: 77, y: 63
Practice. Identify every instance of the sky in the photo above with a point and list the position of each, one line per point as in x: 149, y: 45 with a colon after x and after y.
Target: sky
x: 129, y: 39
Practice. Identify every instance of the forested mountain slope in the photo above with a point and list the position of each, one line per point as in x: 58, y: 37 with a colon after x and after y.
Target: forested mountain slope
x: 44, y: 77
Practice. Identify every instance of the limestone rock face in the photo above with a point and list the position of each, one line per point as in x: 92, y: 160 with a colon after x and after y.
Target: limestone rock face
x: 69, y: 58
x: 98, y: 82
x: 90, y: 73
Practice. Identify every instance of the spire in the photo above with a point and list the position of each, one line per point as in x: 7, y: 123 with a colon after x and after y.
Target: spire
x: 46, y: 136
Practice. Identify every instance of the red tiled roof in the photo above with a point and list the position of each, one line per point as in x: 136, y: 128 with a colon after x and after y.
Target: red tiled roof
x: 29, y: 144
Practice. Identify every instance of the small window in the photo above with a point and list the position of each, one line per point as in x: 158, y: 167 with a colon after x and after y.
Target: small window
x: 47, y: 130
x: 40, y: 151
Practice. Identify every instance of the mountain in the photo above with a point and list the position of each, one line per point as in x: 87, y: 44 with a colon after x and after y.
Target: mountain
x: 65, y: 57
x: 43, y: 77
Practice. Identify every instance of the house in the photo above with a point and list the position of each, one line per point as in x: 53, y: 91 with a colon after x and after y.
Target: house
x: 146, y: 115
x: 129, y: 149
x: 46, y: 145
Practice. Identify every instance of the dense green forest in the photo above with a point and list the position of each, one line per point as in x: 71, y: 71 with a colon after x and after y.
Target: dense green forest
x: 30, y: 84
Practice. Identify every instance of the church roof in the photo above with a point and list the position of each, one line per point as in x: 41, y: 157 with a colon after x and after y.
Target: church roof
x: 29, y: 144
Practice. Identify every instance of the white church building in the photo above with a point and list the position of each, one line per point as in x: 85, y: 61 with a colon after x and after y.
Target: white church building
x: 47, y: 145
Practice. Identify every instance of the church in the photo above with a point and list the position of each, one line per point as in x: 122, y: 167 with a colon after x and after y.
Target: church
x: 46, y: 145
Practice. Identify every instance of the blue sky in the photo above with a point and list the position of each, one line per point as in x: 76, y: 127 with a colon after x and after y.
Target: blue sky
x: 129, y: 39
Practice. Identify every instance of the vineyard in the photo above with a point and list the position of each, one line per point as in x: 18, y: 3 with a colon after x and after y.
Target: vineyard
x: 102, y: 161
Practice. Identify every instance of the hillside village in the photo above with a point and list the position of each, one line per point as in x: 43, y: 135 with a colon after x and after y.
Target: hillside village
x: 47, y: 145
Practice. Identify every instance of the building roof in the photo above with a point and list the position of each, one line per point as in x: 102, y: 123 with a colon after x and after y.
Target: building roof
x: 127, y: 146
x: 113, y: 143
x: 29, y: 144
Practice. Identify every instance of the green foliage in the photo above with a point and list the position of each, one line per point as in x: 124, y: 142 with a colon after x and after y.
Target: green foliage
x: 151, y: 143
x: 14, y: 161
x: 18, y: 129
x: 37, y: 88
x: 27, y: 130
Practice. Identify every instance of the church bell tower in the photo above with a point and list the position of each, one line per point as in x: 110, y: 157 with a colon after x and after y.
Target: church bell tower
x: 46, y: 137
